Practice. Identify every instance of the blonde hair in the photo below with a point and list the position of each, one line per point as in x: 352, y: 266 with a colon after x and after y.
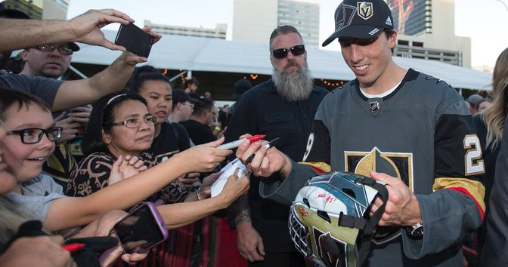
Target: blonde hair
x: 495, y: 115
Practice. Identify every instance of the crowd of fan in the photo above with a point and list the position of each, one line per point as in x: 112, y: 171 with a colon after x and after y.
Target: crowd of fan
x: 76, y: 155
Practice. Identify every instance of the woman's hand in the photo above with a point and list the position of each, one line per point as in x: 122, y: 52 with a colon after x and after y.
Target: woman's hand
x: 204, y: 158
x: 235, y: 187
x: 125, y: 167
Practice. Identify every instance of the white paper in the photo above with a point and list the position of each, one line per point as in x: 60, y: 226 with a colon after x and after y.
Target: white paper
x: 227, y: 171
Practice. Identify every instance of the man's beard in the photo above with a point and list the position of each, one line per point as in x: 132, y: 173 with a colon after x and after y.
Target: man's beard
x: 294, y: 86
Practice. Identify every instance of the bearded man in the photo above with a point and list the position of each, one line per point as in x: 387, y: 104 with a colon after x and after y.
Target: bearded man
x: 282, y: 107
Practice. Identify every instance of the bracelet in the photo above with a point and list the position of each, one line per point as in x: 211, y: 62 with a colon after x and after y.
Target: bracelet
x: 198, y: 195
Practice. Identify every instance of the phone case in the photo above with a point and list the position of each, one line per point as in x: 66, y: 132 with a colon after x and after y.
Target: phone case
x: 134, y: 39
x: 157, y: 219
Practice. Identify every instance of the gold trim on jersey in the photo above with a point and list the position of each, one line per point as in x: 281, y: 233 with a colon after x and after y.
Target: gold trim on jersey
x: 475, y: 188
x: 318, y: 165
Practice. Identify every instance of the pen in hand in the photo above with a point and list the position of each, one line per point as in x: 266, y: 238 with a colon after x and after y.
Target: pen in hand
x: 267, y: 146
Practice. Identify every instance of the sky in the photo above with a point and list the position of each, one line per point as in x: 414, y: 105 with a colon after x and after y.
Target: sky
x: 484, y: 21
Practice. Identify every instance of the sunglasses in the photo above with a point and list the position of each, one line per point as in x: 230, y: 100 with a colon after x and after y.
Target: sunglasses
x: 64, y: 50
x: 283, y: 52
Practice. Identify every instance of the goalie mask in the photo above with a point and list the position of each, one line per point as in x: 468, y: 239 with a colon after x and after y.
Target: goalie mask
x: 329, y: 221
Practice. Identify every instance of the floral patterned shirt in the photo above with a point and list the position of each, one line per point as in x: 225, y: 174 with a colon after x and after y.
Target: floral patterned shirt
x: 92, y: 173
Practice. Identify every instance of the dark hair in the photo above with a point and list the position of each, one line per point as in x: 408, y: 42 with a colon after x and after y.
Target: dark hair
x: 190, y: 81
x: 203, y: 105
x: 101, y: 119
x: 11, y: 97
x: 143, y: 74
x: 389, y: 33
x: 281, y: 30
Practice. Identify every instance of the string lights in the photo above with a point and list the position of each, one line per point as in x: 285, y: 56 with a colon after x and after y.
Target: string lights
x: 331, y: 84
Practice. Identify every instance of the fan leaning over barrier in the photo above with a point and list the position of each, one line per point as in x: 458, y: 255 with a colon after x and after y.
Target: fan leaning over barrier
x: 329, y: 220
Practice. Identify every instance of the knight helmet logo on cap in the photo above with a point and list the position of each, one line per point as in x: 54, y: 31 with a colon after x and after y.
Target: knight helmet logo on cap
x: 365, y: 10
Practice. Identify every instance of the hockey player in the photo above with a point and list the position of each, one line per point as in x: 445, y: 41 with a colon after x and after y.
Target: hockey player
x: 398, y: 126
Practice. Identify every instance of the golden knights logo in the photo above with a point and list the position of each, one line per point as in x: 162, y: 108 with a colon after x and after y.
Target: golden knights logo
x: 365, y: 10
x: 395, y: 164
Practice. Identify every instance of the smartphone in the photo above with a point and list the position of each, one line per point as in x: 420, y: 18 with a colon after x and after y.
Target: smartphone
x: 141, y: 230
x: 134, y: 39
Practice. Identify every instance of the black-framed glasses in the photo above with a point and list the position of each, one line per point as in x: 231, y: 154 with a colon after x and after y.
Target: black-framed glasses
x: 64, y: 49
x: 283, y: 52
x: 135, y: 123
x: 34, y: 135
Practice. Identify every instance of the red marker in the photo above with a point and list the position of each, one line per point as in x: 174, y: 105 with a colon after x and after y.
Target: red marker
x: 73, y: 247
x: 237, y: 143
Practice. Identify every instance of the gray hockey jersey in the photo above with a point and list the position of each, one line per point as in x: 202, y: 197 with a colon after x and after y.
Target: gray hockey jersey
x: 421, y: 133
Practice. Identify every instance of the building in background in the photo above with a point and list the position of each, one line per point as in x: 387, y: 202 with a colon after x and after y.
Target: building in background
x: 427, y: 31
x: 40, y: 9
x: 218, y: 33
x: 254, y: 21
x: 303, y: 16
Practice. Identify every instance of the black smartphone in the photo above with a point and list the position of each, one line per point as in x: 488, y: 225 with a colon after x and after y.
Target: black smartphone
x: 134, y: 39
x: 141, y: 230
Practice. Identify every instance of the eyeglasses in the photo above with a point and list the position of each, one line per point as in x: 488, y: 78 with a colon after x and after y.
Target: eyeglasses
x: 34, y: 135
x: 189, y: 104
x: 65, y: 50
x: 135, y: 123
x: 283, y: 52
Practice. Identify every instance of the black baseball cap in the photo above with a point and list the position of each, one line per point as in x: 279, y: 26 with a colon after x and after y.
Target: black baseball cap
x: 241, y: 86
x: 180, y: 96
x: 361, y: 19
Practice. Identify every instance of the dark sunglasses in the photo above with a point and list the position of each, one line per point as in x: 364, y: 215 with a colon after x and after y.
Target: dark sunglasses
x: 283, y: 52
x: 64, y: 50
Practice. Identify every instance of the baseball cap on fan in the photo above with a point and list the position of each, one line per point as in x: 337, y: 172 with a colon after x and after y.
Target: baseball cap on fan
x: 361, y: 19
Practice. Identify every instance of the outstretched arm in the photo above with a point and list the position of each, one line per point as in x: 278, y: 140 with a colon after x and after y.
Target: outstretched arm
x: 189, y: 212
x: 86, y: 28
x: 112, y: 79
x: 70, y: 212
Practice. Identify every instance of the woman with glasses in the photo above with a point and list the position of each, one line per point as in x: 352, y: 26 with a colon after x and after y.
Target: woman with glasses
x: 121, y: 126
x: 28, y: 143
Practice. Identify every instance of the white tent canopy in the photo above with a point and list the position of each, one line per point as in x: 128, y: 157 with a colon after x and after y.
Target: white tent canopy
x: 215, y: 55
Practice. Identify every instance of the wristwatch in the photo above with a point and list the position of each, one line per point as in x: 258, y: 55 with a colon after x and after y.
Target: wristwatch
x: 415, y: 230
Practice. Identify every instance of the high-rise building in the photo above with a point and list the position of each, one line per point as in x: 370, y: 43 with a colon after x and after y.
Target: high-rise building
x: 254, y: 21
x: 40, y: 9
x: 303, y: 16
x: 219, y: 32
x: 426, y: 30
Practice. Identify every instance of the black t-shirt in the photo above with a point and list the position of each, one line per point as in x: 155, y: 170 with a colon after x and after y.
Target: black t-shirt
x: 262, y: 110
x: 198, y: 132
x: 173, y: 138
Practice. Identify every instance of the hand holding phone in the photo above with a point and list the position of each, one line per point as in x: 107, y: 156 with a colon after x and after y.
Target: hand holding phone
x: 135, y: 40
x: 141, y: 230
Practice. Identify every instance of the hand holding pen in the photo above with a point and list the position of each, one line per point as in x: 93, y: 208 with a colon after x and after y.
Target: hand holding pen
x: 263, y: 159
x: 267, y: 146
